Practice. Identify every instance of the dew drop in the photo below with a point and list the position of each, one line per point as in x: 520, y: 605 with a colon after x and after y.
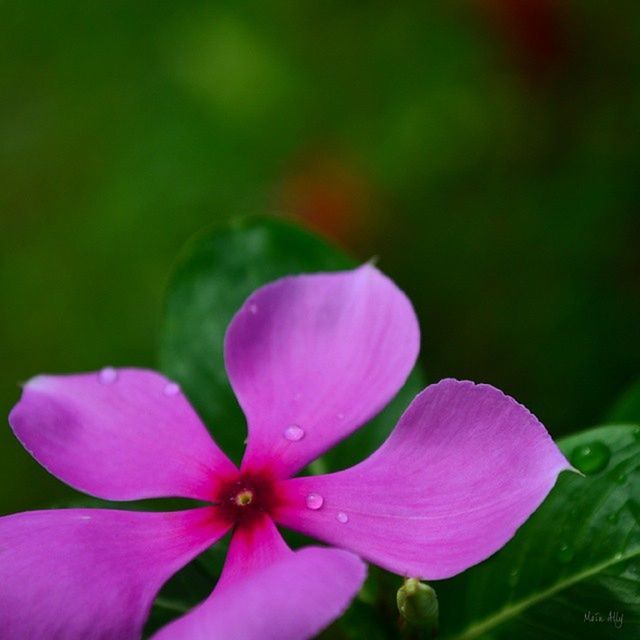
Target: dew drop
x: 342, y: 517
x: 590, y: 458
x: 293, y: 433
x: 315, y: 501
x: 108, y: 375
x: 171, y: 389
x: 253, y: 308
x: 565, y: 553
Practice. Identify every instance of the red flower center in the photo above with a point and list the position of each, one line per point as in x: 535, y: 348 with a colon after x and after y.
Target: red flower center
x: 245, y: 497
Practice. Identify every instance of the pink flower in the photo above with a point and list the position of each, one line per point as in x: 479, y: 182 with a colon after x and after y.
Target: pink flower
x: 310, y: 358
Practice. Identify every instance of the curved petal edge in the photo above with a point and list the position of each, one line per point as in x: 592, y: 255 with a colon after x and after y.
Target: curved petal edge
x: 464, y: 468
x: 91, y: 574
x: 119, y: 434
x: 312, y: 357
x: 291, y: 599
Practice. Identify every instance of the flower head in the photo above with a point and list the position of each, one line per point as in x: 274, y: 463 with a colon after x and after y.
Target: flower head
x: 311, y: 358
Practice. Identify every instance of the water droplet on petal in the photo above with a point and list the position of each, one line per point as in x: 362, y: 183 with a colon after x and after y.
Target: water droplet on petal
x: 171, y: 389
x: 590, y: 458
x: 253, y: 308
x: 108, y: 375
x: 293, y: 433
x: 565, y: 553
x: 315, y: 501
x: 342, y: 517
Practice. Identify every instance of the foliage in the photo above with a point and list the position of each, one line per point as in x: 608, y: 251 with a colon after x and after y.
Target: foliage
x: 576, y: 558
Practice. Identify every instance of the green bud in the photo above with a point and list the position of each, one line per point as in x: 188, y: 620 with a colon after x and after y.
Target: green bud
x: 418, y: 604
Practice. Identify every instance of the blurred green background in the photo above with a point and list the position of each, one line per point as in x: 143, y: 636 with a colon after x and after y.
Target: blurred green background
x: 485, y: 150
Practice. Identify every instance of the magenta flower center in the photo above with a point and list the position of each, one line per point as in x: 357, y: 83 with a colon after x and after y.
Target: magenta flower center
x: 245, y: 497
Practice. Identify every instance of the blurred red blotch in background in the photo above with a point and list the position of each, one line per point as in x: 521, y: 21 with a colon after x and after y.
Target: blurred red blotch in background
x: 537, y: 32
x: 329, y: 193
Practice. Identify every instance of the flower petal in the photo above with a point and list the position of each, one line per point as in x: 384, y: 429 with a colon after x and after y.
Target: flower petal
x: 91, y: 574
x: 252, y: 549
x: 119, y: 434
x: 269, y: 592
x: 318, y: 354
x: 464, y: 468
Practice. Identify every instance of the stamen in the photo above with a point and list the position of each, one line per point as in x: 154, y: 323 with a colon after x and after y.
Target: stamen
x: 244, y: 498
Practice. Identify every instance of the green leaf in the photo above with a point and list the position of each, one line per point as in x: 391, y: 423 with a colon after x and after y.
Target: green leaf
x: 627, y: 408
x: 373, y: 614
x: 575, y: 560
x: 217, y: 273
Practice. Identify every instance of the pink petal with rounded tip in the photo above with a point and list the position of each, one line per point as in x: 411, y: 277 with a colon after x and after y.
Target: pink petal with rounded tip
x: 268, y: 592
x: 313, y: 357
x: 464, y: 468
x: 121, y: 434
x: 91, y: 574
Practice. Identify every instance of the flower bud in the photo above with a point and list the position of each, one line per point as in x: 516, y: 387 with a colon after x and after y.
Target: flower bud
x: 418, y: 604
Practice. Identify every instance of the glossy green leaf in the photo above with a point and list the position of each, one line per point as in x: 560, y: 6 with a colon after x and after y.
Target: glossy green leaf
x: 573, y: 570
x: 217, y: 273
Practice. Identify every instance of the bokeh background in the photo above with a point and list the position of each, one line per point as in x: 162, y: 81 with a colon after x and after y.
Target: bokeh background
x: 485, y: 150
